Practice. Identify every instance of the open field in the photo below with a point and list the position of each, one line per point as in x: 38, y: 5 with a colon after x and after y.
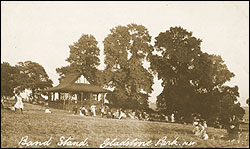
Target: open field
x: 39, y: 126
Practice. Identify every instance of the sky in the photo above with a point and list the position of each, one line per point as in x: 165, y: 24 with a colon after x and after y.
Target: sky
x: 42, y: 31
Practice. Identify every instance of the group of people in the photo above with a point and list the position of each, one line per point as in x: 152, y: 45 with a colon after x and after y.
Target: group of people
x: 123, y: 114
x: 199, y: 125
x: 86, y: 112
x: 232, y: 128
x: 139, y: 115
x: 200, y: 128
x: 107, y: 112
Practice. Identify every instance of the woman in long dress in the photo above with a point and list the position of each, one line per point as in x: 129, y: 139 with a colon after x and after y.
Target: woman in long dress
x: 93, y: 108
x: 19, y: 103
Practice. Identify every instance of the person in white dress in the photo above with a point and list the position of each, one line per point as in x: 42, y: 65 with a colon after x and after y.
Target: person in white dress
x: 172, y: 118
x: 93, y: 110
x: 19, y: 103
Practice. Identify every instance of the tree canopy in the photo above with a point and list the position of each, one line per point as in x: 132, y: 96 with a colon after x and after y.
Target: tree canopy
x: 83, y: 58
x: 125, y: 49
x: 193, y: 80
x: 33, y: 77
x: 8, y: 79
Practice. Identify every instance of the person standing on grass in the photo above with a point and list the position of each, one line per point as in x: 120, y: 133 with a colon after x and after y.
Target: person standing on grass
x: 173, y: 118
x: 104, y: 111
x: 19, y: 103
x: 93, y: 110
x: 233, y: 129
x: 75, y: 107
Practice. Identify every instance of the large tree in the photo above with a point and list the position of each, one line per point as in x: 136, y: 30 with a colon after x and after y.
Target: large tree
x: 179, y: 52
x: 83, y: 58
x: 193, y: 81
x: 8, y: 79
x: 33, y: 77
x: 125, y: 49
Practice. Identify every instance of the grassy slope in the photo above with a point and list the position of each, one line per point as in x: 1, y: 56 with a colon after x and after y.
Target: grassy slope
x: 41, y: 126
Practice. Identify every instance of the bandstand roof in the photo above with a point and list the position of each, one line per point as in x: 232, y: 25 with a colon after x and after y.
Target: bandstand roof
x: 68, y: 85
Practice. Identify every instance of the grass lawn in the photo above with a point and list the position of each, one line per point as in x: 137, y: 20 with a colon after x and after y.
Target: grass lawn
x: 39, y: 126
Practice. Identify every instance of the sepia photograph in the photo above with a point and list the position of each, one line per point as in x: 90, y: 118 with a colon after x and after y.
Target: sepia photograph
x: 124, y: 74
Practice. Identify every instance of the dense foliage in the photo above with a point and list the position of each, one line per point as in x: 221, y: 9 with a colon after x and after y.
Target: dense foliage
x: 8, y: 79
x: 32, y: 76
x: 25, y: 75
x: 83, y: 58
x: 193, y: 81
x: 126, y: 48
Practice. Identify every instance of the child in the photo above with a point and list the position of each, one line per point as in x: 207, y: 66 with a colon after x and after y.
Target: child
x: 19, y: 103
